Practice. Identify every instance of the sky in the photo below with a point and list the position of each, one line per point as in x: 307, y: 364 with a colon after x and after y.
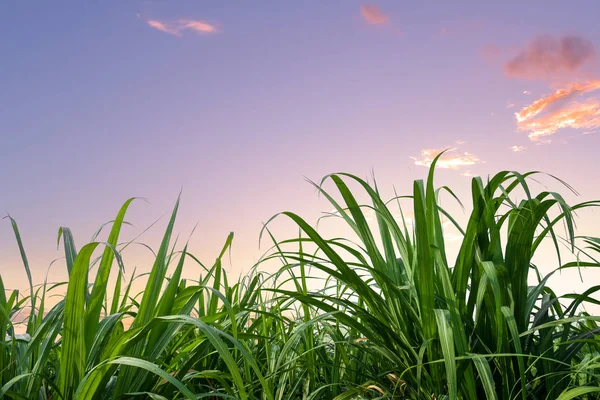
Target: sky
x: 237, y: 103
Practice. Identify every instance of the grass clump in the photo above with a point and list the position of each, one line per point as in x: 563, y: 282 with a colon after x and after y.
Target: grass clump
x: 395, y: 319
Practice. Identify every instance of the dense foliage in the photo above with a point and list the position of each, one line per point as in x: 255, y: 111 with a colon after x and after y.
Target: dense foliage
x: 395, y: 318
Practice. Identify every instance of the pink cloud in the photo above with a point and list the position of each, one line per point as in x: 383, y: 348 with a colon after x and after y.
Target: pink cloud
x: 565, y: 108
x: 547, y: 56
x: 490, y: 52
x: 161, y: 27
x: 177, y: 27
x: 373, y: 14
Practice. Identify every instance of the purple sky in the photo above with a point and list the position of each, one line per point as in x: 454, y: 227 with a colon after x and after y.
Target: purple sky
x: 237, y: 101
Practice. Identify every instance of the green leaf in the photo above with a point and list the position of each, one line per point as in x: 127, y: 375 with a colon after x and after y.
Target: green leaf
x: 73, y: 354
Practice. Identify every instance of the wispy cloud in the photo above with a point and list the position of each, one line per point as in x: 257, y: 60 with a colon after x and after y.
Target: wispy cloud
x: 565, y: 108
x: 177, y: 27
x: 545, y: 56
x: 589, y: 132
x: 490, y: 52
x: 517, y: 149
x: 510, y: 104
x: 526, y: 92
x: 161, y: 27
x: 373, y: 14
x: 577, y: 115
x: 560, y: 95
x: 451, y: 159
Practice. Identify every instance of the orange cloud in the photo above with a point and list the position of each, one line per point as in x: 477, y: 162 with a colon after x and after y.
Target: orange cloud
x: 373, y: 14
x: 561, y: 109
x: 177, y: 27
x: 542, y: 104
x: 517, y: 149
x: 451, y: 159
x: 546, y: 56
x: 578, y: 115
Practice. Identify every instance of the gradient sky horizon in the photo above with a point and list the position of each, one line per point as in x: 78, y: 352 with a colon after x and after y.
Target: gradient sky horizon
x: 236, y: 102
